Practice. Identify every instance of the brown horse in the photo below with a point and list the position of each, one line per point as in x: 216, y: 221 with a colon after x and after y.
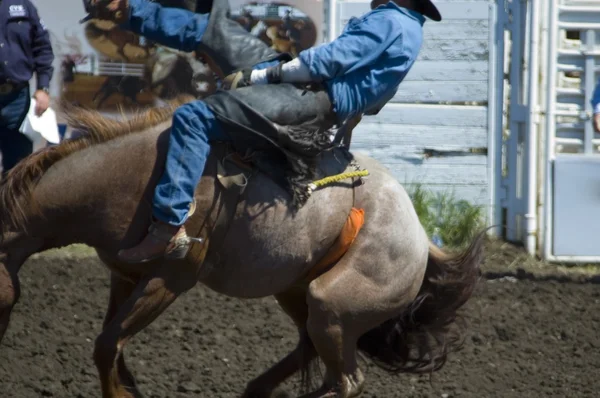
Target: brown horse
x: 393, y: 295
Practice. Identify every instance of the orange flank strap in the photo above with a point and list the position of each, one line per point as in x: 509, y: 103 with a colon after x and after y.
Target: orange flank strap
x: 352, y: 227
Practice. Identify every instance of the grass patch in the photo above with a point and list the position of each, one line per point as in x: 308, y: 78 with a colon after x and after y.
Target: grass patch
x: 71, y: 251
x: 455, y: 221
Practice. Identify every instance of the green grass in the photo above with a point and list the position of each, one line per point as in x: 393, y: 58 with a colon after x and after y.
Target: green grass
x: 457, y: 220
x: 72, y: 251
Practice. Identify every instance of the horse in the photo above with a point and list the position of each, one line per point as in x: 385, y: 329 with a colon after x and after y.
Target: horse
x: 392, y: 296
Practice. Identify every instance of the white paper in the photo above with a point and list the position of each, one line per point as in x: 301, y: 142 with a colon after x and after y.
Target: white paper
x: 38, y: 129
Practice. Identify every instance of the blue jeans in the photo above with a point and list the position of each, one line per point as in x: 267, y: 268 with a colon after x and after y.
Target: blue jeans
x: 14, y: 146
x: 194, y: 127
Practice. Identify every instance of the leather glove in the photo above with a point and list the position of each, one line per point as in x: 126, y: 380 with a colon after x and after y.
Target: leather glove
x: 110, y: 10
x: 237, y: 79
x: 242, y: 78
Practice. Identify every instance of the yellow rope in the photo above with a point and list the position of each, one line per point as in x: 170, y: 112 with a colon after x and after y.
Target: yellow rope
x: 338, y: 177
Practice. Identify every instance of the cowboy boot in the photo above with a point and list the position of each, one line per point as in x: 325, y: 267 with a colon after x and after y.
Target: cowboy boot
x: 116, y: 11
x: 229, y: 46
x: 163, y: 240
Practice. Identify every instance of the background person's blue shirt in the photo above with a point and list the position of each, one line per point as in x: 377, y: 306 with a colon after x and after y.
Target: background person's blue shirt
x: 24, y: 44
x: 364, y: 66
x: 596, y: 99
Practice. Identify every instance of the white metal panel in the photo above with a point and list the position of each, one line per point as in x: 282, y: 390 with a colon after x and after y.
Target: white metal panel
x: 553, y: 72
x: 572, y: 75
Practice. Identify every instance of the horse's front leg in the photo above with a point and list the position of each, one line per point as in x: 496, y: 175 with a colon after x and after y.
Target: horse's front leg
x: 9, y: 293
x: 151, y: 296
x: 11, y: 261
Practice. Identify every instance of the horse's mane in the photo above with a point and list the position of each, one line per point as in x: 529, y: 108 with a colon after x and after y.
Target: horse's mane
x: 17, y: 187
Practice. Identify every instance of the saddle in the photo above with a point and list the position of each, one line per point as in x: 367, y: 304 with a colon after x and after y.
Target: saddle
x: 232, y: 175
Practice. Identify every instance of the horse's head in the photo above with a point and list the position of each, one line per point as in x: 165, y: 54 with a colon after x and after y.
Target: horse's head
x: 179, y: 73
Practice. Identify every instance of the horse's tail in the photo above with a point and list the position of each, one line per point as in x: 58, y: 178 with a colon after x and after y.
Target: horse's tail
x: 420, y: 338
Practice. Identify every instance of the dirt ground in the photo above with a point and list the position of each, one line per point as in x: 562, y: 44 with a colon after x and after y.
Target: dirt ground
x: 527, y: 338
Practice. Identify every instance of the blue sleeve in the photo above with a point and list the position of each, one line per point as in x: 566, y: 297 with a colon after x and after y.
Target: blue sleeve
x: 363, y: 41
x: 596, y: 99
x: 172, y: 27
x: 41, y: 49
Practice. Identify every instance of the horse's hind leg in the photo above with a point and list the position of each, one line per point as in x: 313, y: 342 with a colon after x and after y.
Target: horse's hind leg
x: 293, y: 303
x: 151, y: 296
x: 367, y: 287
x: 120, y: 290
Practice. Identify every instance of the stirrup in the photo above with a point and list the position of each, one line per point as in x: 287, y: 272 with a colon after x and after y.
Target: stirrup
x: 179, y: 247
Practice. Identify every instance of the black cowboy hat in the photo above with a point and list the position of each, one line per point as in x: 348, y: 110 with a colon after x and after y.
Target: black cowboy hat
x: 427, y: 8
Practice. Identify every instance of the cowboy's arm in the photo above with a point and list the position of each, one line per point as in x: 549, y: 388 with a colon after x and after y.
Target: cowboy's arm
x: 41, y: 49
x: 360, y: 45
x: 172, y: 27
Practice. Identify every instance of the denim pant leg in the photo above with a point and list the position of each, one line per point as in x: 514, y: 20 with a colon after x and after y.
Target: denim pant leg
x: 14, y: 146
x: 194, y: 125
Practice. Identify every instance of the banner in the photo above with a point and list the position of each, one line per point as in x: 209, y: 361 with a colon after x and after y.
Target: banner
x: 99, y: 65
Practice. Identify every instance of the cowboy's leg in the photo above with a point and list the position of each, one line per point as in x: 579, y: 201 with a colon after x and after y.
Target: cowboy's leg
x: 14, y: 145
x: 283, y: 104
x: 194, y: 126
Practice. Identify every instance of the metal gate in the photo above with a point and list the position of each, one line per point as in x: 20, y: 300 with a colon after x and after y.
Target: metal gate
x: 551, y: 173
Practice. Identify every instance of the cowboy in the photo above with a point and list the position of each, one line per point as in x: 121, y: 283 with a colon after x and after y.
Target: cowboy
x: 360, y: 72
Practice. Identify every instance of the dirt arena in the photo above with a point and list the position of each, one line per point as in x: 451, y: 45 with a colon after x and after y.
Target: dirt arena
x: 527, y: 338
